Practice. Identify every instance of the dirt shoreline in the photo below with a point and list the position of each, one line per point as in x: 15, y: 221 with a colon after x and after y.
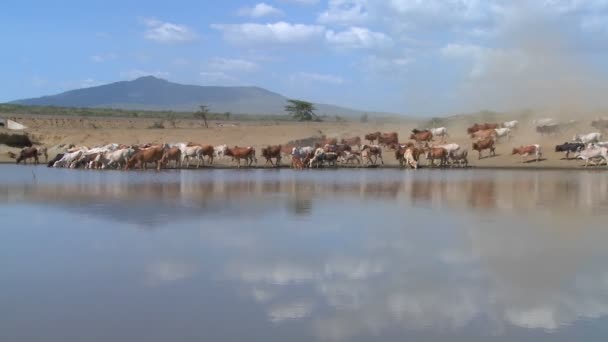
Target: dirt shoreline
x: 79, y: 131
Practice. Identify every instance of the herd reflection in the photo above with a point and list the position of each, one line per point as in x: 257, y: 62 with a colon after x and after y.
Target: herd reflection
x: 433, y: 253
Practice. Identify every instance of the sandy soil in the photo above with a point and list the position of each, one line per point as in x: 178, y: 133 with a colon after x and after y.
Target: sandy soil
x: 98, y: 131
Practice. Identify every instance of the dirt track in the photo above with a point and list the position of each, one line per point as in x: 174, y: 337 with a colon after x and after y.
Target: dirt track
x: 97, y: 131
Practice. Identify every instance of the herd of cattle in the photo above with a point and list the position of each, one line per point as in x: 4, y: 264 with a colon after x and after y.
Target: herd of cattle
x: 430, y: 144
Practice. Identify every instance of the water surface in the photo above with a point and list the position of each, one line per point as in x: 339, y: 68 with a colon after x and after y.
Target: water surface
x: 275, y: 255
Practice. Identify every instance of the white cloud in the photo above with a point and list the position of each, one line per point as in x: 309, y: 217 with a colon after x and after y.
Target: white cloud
x: 291, y: 311
x: 260, y: 10
x: 345, y: 12
x: 103, y: 57
x: 166, y: 32
x: 137, y: 73
x: 226, y: 64
x: 314, y: 77
x: 275, y: 33
x: 387, y: 66
x: 358, y: 38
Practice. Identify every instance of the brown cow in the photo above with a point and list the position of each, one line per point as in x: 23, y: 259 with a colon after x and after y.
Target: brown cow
x: 145, y: 156
x: 297, y: 163
x: 480, y: 127
x: 329, y: 141
x: 339, y: 149
x: 171, y: 154
x: 422, y: 136
x: 355, y: 141
x: 272, y: 152
x: 482, y: 134
x: 209, y: 152
x: 388, y: 139
x: 525, y: 151
x: 485, y: 144
x: 27, y: 153
x: 433, y: 153
x: 238, y: 153
x: 371, y: 137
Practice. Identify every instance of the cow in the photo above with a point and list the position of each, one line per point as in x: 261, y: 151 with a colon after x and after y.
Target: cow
x: 28, y: 153
x: 271, y: 152
x: 120, y: 158
x: 593, y: 153
x: 220, y: 150
x: 354, y: 141
x: 599, y: 144
x: 439, y: 132
x: 409, y: 159
x: 502, y: 133
x: 238, y: 153
x: 525, y: 151
x: 421, y: 136
x: 600, y: 124
x: 321, y: 157
x: 372, y: 137
x: 69, y: 159
x: 587, y: 138
x: 371, y: 150
x: 171, y: 154
x: 548, y: 129
x: 54, y: 160
x: 348, y: 157
x: 144, y: 156
x: 449, y: 148
x: 544, y: 122
x: 483, y: 134
x: 481, y: 127
x: 387, y: 139
x: 337, y: 148
x: 433, y: 153
x: 485, y: 144
x: 460, y: 156
x: 569, y: 147
x: 192, y: 152
x: 510, y: 124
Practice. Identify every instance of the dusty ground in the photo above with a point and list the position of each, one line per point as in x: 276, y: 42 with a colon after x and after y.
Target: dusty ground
x: 98, y: 131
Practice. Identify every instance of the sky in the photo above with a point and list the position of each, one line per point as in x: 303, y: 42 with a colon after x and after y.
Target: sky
x: 416, y: 57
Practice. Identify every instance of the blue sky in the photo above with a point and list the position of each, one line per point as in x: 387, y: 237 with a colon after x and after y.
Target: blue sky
x: 407, y: 56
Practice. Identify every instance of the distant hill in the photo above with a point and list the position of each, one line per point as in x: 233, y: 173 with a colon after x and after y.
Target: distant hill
x: 151, y: 93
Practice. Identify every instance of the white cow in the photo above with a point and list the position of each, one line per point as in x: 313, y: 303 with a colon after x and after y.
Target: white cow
x: 593, y: 153
x: 598, y: 144
x: 220, y: 150
x: 439, y: 132
x: 302, y: 152
x: 348, y: 157
x: 587, y: 138
x: 510, y: 124
x: 503, y: 132
x: 544, y: 122
x: 69, y: 159
x: 192, y: 152
x: 460, y: 156
x: 408, y: 157
x: 118, y: 158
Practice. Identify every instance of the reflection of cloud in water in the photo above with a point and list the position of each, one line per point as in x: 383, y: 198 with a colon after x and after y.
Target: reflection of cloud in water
x: 291, y: 311
x: 165, y: 272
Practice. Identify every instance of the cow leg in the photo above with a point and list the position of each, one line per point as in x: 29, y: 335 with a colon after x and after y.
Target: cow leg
x: 381, y: 160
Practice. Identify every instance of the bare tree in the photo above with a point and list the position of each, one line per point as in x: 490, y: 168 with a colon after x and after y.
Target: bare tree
x: 202, y: 114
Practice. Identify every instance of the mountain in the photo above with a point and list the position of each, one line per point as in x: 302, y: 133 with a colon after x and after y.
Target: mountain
x: 151, y: 93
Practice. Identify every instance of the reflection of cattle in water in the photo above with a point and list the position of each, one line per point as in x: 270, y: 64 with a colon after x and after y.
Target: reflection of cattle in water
x: 482, y: 194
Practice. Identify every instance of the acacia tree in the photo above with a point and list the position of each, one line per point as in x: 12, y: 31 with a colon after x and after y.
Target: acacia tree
x: 202, y: 114
x: 302, y: 110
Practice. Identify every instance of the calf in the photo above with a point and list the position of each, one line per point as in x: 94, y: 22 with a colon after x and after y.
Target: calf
x: 271, y: 152
x: 569, y: 148
x: 485, y: 144
x: 371, y: 150
x: 525, y: 151
x: 28, y: 153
